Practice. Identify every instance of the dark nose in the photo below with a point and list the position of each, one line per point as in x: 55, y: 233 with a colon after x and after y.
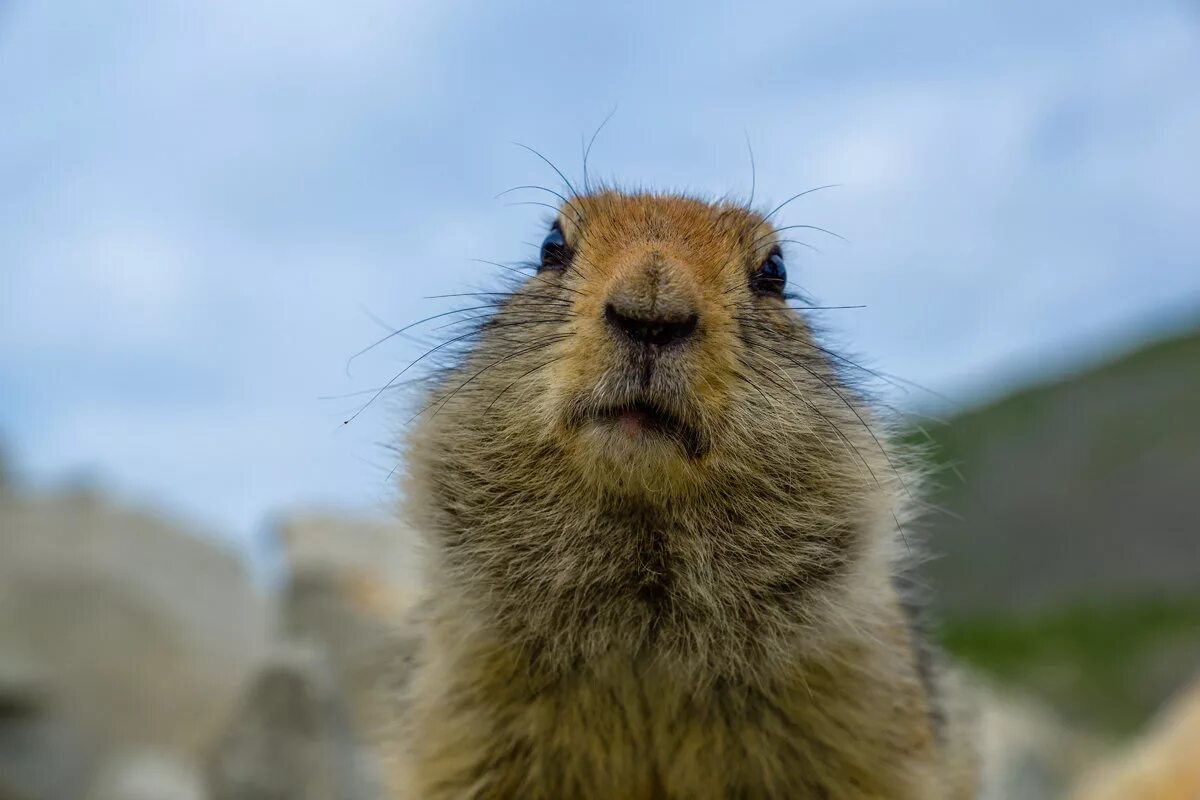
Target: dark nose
x: 656, y: 330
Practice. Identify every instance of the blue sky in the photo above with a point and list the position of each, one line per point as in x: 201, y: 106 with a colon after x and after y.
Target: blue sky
x: 202, y: 205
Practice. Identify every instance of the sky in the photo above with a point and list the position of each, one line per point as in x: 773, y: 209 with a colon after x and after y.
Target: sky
x: 206, y: 208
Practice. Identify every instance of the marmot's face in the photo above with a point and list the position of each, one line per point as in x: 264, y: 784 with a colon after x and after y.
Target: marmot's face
x: 653, y: 369
x: 654, y: 341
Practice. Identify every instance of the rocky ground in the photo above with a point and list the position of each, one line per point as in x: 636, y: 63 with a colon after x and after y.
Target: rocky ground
x: 140, y: 661
x: 125, y: 642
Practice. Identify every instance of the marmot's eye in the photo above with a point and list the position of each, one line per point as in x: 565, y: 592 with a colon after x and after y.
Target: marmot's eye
x: 555, y: 253
x: 771, y: 275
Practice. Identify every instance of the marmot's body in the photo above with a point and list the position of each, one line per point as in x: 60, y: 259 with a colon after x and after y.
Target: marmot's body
x: 662, y: 539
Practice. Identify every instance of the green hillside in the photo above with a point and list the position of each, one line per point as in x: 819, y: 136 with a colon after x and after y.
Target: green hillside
x: 1066, y: 547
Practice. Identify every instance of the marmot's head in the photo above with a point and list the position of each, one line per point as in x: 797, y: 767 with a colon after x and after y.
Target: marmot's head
x: 654, y: 344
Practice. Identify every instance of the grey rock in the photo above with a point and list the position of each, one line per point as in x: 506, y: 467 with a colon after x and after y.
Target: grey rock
x: 148, y: 775
x: 127, y: 632
x: 42, y: 755
x: 1027, y: 750
x: 310, y: 725
x: 291, y: 739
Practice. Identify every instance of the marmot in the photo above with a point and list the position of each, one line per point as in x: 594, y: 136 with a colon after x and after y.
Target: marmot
x: 663, y: 538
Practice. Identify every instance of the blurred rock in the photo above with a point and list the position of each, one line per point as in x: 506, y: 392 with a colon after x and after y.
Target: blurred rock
x: 307, y: 727
x: 133, y: 635
x: 289, y: 738
x: 382, y: 548
x: 137, y: 660
x: 147, y: 775
x: 41, y: 753
x: 351, y: 586
x: 1027, y: 751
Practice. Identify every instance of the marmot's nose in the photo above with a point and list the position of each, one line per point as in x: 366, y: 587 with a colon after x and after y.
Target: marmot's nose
x: 652, y: 303
x: 654, y: 329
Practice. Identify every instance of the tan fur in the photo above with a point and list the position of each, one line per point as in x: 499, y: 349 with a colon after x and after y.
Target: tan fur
x: 1163, y: 765
x: 709, y: 615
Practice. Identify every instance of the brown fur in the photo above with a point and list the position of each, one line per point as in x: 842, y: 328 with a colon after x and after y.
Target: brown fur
x: 708, y: 614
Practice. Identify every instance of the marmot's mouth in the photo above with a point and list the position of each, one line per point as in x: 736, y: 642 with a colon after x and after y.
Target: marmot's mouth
x: 647, y: 419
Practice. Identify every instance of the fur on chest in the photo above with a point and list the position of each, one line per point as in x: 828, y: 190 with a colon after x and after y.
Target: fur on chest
x: 619, y: 730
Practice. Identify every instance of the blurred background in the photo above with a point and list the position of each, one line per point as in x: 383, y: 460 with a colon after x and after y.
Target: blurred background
x: 207, y: 208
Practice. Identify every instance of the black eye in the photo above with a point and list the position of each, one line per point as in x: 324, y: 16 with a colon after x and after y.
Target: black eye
x: 555, y: 253
x: 771, y: 275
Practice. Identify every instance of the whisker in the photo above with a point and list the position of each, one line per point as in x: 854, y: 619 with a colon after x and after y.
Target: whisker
x: 544, y: 318
x: 850, y: 406
x: 826, y: 351
x: 519, y: 379
x: 532, y: 203
x: 378, y: 320
x: 777, y: 309
x: 411, y: 364
x: 750, y: 248
x: 816, y: 250
x: 499, y: 294
x: 531, y: 186
x: 812, y: 228
x: 777, y: 208
x: 796, y: 393
x: 865, y: 463
x: 358, y: 393
x: 588, y: 150
x: 891, y: 379
x: 753, y: 171
x: 539, y: 278
x: 399, y: 331
x: 571, y: 186
x: 545, y: 342
x: 944, y: 397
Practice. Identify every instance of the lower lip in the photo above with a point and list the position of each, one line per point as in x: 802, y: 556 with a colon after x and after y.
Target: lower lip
x: 632, y: 423
x: 641, y: 428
